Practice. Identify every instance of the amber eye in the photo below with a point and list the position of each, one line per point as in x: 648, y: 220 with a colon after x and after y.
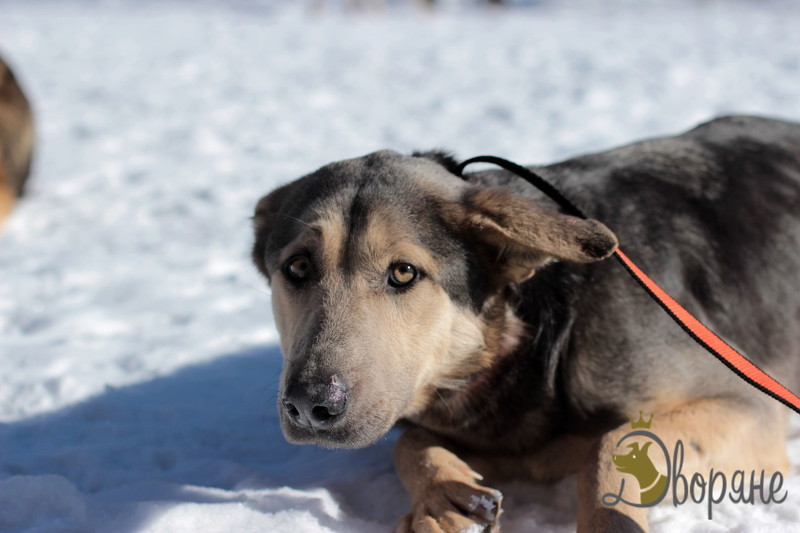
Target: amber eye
x: 298, y: 268
x: 402, y: 275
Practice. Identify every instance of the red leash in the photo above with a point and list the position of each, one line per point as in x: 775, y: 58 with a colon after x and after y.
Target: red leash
x: 741, y: 365
x: 706, y: 338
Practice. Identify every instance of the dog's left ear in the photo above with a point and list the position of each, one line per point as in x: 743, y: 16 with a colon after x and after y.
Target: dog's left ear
x: 264, y: 223
x: 519, y: 235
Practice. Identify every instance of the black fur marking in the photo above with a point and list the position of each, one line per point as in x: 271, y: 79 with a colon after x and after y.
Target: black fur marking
x: 595, y: 247
x: 443, y: 157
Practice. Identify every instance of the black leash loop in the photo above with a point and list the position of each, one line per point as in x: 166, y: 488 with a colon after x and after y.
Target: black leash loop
x: 529, y: 176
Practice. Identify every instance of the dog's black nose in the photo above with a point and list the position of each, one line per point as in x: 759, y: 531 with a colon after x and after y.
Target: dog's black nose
x: 315, y: 406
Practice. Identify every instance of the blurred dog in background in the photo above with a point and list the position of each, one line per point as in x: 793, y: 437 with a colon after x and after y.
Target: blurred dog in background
x: 16, y: 141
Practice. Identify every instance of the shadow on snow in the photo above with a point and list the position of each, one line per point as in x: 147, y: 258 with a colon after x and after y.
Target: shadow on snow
x: 209, y: 425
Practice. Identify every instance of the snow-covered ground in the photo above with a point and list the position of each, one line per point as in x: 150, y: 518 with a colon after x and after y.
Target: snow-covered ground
x: 138, y: 364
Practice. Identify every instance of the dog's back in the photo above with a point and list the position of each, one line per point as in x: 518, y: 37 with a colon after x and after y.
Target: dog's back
x: 714, y: 216
x: 16, y: 140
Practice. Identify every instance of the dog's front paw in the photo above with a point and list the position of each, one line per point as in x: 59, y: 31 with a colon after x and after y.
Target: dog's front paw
x: 453, y: 506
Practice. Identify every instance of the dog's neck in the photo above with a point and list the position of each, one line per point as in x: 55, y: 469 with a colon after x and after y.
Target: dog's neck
x: 513, y: 390
x: 502, y: 328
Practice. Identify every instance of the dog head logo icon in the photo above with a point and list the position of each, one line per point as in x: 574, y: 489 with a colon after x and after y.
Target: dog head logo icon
x: 653, y: 484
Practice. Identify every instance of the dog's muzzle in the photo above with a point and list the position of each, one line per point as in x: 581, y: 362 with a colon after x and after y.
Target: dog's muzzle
x: 315, y: 406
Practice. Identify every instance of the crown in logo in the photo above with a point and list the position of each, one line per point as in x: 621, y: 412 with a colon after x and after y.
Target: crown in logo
x: 641, y: 423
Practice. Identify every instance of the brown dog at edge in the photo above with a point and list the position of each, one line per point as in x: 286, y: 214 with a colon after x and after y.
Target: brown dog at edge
x: 488, y: 323
x: 16, y: 141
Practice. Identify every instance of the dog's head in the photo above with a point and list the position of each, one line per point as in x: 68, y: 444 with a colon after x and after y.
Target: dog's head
x: 387, y: 273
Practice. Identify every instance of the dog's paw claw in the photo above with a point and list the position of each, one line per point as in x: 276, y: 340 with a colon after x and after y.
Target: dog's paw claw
x: 454, y: 507
x: 486, y: 506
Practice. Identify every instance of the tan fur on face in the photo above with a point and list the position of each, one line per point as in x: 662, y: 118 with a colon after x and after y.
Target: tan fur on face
x: 461, y: 353
x: 393, y: 349
x: 329, y: 226
x: 423, y: 330
x: 325, y: 235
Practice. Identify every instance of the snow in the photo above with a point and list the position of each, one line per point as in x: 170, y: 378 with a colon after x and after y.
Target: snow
x: 138, y: 351
x: 483, y: 502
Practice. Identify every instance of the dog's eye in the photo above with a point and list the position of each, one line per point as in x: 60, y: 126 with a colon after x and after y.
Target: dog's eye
x: 402, y: 275
x: 298, y: 268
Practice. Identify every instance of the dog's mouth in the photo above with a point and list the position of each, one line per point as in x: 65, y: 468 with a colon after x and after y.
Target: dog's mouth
x: 331, y: 416
x: 344, y: 432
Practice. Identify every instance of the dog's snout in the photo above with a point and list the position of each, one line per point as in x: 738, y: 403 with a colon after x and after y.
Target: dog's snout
x: 316, y: 405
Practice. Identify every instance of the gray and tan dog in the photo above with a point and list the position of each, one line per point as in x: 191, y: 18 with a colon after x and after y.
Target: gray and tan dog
x: 487, y: 322
x: 16, y: 141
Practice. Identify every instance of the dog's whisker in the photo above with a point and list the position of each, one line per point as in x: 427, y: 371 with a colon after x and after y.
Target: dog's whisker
x: 298, y: 220
x: 259, y: 290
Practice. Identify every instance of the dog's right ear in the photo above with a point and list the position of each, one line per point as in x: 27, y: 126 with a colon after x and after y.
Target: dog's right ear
x: 515, y: 236
x: 264, y: 223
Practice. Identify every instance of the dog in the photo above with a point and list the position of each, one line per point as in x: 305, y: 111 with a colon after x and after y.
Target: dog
x: 16, y: 141
x: 486, y: 322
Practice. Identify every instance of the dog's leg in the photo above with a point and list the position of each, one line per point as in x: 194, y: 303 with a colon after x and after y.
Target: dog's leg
x: 726, y: 435
x: 445, y: 495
